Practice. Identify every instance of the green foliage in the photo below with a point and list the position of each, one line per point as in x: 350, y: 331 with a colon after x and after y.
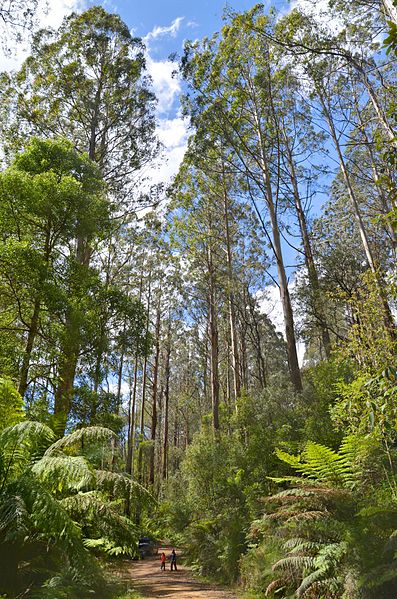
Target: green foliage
x: 370, y: 341
x: 390, y: 42
x: 54, y: 504
x: 368, y: 405
x: 321, y: 393
x: 215, y: 505
x: 325, y: 521
x: 11, y: 405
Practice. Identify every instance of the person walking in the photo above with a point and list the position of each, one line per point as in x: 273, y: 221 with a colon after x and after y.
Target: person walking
x: 173, y: 561
x: 163, y: 559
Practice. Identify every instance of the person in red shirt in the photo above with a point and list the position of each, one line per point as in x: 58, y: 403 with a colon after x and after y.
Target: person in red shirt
x: 163, y: 559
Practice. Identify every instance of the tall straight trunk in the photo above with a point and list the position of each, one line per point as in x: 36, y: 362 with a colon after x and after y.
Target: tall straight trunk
x: 132, y: 405
x: 308, y: 254
x: 33, y: 329
x: 120, y: 380
x: 205, y: 368
x: 292, y: 354
x: 144, y: 385
x: 214, y: 340
x: 231, y: 300
x: 101, y: 344
x: 176, y: 428
x: 227, y: 395
x: 166, y: 401
x: 67, y: 369
x: 34, y: 323
x: 131, y: 416
x: 70, y: 350
x: 153, y: 431
x: 388, y: 318
x: 261, y: 366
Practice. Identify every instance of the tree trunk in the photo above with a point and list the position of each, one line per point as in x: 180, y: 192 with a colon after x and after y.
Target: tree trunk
x: 154, y: 394
x: 231, y: 301
x: 309, y: 260
x: 282, y: 277
x: 33, y: 329
x: 214, y: 342
x: 132, y: 406
x: 67, y: 370
x: 262, y: 375
x: 166, y: 400
x: 143, y: 399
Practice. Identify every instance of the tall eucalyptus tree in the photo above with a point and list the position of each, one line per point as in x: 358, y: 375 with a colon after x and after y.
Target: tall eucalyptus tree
x: 85, y: 81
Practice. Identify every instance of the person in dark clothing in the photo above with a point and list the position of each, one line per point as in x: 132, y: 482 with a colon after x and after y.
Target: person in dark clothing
x: 173, y: 560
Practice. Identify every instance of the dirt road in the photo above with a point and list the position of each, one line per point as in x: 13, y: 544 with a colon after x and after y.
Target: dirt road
x: 147, y: 578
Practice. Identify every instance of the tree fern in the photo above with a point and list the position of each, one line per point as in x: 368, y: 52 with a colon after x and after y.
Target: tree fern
x: 86, y: 435
x: 122, y: 485
x: 45, y: 515
x: 102, y: 520
x: 64, y: 473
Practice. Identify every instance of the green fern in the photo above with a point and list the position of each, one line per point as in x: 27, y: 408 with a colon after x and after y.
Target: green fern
x: 315, y: 513
x: 64, y: 473
x: 82, y: 436
x: 45, y: 515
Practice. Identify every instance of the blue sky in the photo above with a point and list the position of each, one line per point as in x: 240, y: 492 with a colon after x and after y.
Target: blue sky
x: 200, y: 17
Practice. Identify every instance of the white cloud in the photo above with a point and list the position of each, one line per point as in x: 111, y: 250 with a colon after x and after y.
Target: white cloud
x: 173, y: 134
x: 58, y: 9
x: 158, y: 31
x: 166, y: 85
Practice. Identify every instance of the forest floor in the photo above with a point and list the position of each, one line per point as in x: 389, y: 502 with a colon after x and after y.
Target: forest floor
x: 150, y: 582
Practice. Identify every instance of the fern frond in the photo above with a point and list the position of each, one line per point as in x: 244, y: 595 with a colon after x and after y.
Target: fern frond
x: 308, y: 581
x: 292, y: 460
x: 27, y: 430
x: 121, y: 485
x: 308, y: 515
x: 295, y: 563
x: 13, y: 517
x: 323, y: 464
x: 103, y: 521
x: 25, y: 441
x: 275, y: 585
x: 62, y: 473
x: 108, y: 547
x: 298, y: 544
x: 86, y: 435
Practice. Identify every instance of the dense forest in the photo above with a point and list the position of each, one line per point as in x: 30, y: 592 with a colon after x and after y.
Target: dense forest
x: 144, y: 389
